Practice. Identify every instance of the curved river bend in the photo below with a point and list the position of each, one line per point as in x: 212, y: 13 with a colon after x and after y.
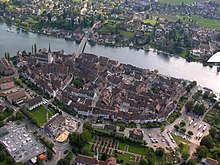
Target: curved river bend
x: 172, y: 66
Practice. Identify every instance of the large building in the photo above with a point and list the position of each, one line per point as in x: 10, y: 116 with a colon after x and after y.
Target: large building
x: 136, y: 134
x: 35, y: 102
x: 18, y: 97
x: 6, y: 83
x: 19, y: 143
x: 44, y: 57
x: 86, y: 160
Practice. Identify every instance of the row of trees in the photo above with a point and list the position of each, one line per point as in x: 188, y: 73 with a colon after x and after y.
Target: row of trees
x: 198, y: 109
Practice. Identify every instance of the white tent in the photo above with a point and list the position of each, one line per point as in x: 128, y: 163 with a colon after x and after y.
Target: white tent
x: 215, y: 57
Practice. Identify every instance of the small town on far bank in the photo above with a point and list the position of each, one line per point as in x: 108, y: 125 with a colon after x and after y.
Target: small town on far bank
x: 88, y: 109
x: 189, y: 30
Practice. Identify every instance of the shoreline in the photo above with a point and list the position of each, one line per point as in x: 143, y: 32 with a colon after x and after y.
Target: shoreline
x: 92, y: 43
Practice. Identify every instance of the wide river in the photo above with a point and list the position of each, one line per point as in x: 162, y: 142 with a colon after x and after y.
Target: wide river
x: 172, y: 66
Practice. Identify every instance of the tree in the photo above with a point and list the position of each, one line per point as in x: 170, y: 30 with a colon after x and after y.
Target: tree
x: 207, y: 141
x: 19, y: 115
x: 49, y: 155
x: 87, y: 125
x: 160, y: 152
x: 181, y: 145
x: 2, y: 156
x: 185, y: 154
x: 63, y: 162
x: 9, y: 160
x: 104, y: 157
x: 144, y: 161
x: 189, y: 106
x: 191, y: 162
x: 202, y: 152
x: 176, y: 126
x: 78, y: 82
x: 213, y: 131
x: 182, y: 124
x: 199, y: 109
x: 190, y: 132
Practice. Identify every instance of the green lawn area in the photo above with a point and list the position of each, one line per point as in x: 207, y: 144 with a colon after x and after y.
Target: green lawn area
x: 126, y: 34
x: 3, y: 163
x: 176, y: 2
x: 178, y: 139
x: 150, y: 21
x: 39, y: 114
x: 209, y: 23
x: 137, y: 149
x: 109, y: 27
x: 126, y: 159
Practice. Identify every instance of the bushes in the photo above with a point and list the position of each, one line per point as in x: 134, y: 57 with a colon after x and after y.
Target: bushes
x: 47, y: 143
x: 29, y: 116
x: 173, y: 117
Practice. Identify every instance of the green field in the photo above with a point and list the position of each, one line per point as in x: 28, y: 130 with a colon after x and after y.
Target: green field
x: 150, y: 21
x: 176, y: 2
x: 39, y: 114
x: 126, y: 34
x: 209, y: 23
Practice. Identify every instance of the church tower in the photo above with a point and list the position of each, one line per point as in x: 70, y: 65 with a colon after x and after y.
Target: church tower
x: 50, y: 55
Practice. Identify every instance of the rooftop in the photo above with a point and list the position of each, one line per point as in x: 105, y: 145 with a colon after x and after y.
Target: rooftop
x: 20, y: 144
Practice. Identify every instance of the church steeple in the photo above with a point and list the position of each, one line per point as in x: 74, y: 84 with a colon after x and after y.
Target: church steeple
x: 49, y: 50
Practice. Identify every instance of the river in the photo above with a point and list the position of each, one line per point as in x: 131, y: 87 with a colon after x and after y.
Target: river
x: 171, y: 66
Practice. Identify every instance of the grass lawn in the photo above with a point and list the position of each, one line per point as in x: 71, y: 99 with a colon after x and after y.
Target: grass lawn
x: 3, y: 162
x: 133, y: 148
x: 126, y: 34
x: 209, y: 23
x: 109, y: 27
x: 150, y: 21
x: 176, y: 2
x: 178, y: 139
x: 126, y: 159
x: 40, y: 114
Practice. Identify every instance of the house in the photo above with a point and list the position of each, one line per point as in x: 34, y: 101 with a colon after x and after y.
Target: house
x: 209, y: 161
x: 6, y: 83
x: 52, y: 126
x: 17, y: 97
x: 110, y: 127
x: 86, y: 160
x: 136, y: 134
x: 35, y: 102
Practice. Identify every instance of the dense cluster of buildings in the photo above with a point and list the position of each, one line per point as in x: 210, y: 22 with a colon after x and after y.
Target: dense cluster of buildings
x: 110, y: 89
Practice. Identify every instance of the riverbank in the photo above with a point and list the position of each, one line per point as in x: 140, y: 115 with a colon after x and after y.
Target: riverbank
x: 66, y: 35
x: 166, y: 65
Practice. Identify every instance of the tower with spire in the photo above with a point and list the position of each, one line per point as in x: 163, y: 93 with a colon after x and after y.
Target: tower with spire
x: 50, y: 55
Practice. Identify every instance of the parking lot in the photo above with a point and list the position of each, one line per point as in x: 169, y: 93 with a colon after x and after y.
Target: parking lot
x: 196, y: 125
x: 199, y: 129
x: 155, y: 139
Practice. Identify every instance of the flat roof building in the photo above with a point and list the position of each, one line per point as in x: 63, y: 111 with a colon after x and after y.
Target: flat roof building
x: 19, y: 143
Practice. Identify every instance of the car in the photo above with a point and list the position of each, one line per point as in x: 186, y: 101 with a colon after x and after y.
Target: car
x: 149, y: 135
x: 194, y: 125
x: 162, y: 140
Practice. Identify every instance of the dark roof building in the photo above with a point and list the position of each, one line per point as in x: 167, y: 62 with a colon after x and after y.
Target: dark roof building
x: 35, y: 102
